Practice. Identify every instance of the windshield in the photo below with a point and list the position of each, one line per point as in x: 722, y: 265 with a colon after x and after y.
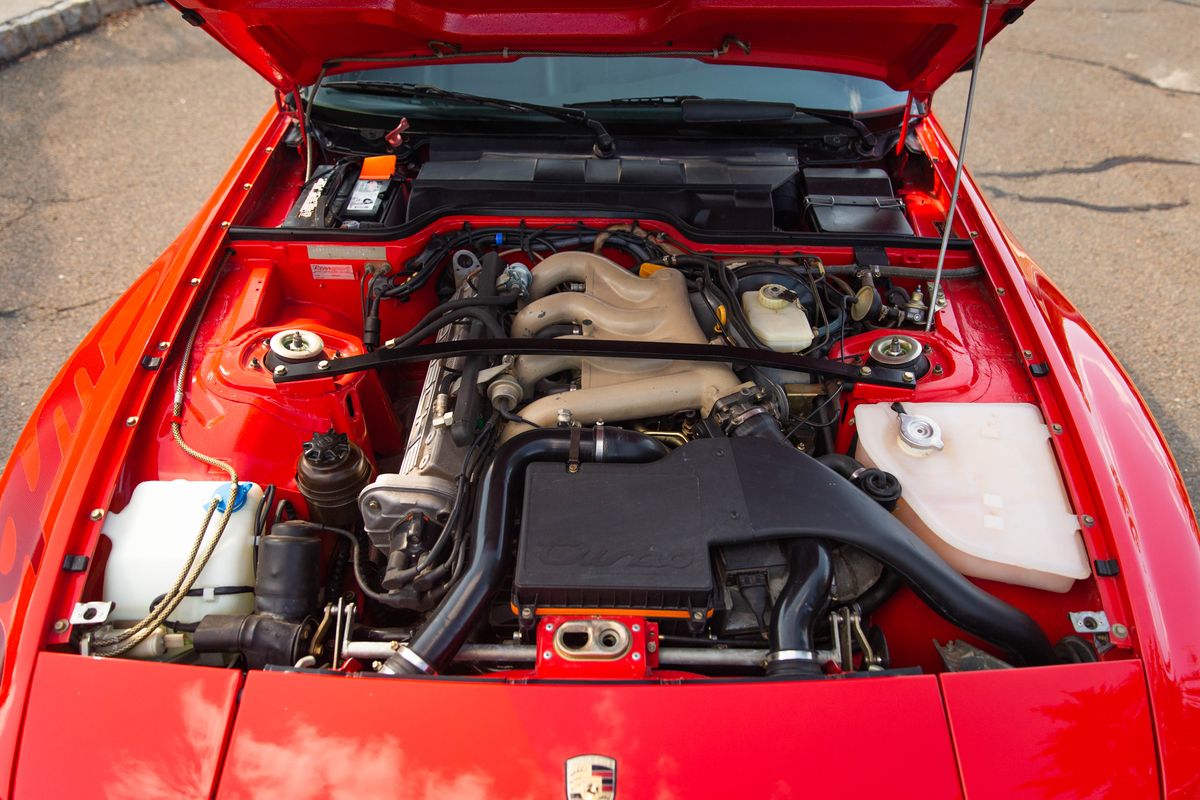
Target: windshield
x: 562, y: 80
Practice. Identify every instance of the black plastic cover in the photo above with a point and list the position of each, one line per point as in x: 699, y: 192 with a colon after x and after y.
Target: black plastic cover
x: 711, y: 193
x: 612, y: 536
x: 633, y: 535
x: 853, y: 200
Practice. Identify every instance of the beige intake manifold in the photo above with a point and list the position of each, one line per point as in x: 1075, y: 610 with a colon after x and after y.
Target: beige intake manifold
x: 614, y: 304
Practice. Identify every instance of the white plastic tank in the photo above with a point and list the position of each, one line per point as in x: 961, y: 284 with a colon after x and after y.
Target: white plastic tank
x: 990, y: 500
x: 776, y: 319
x: 151, y: 540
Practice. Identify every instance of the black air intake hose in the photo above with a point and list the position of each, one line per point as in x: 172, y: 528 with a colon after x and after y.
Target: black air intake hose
x: 491, y: 536
x: 801, y: 604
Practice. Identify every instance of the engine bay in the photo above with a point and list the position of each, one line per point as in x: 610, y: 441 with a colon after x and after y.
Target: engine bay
x: 600, y: 446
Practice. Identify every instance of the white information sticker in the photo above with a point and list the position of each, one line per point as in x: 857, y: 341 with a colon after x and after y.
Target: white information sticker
x: 333, y: 272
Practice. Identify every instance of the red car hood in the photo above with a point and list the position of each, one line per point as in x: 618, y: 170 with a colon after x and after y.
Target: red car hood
x: 910, y: 44
x: 176, y: 731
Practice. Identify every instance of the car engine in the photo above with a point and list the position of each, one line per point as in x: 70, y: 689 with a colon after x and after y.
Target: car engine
x: 582, y: 448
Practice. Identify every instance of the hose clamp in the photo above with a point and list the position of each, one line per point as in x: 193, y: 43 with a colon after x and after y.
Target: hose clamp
x: 598, y: 440
x: 792, y: 655
x: 411, y: 657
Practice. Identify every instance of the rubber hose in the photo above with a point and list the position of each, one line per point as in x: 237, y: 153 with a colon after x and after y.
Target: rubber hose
x: 879, y: 593
x: 801, y: 605
x: 843, y: 465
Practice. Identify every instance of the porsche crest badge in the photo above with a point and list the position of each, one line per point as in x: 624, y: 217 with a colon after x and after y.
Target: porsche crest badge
x: 591, y: 777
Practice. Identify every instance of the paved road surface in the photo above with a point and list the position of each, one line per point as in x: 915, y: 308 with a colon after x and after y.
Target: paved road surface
x: 1086, y: 135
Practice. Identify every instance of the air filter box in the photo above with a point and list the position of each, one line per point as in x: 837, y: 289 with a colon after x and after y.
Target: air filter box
x: 613, y: 536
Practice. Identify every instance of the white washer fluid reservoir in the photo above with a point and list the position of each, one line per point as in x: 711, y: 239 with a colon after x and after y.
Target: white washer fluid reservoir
x: 981, y: 486
x: 153, y: 535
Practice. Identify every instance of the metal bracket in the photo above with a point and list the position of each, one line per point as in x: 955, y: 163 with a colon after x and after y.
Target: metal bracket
x: 92, y: 613
x: 1089, y: 621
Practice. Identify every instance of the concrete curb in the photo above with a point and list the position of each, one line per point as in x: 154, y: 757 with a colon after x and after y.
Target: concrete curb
x: 54, y: 22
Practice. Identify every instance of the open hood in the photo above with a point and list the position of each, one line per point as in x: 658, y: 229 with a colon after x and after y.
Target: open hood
x: 909, y: 44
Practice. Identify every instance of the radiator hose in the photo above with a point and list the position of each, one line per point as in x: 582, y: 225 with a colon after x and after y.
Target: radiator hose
x: 501, y: 489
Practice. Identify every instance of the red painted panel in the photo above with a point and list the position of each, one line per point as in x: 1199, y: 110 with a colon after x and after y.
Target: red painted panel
x: 315, y: 736
x: 120, y: 728
x: 1053, y: 732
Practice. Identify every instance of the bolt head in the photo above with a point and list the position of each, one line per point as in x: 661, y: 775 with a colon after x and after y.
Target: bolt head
x: 1088, y: 520
x: 322, y: 365
x: 651, y: 647
x: 224, y: 223
x: 247, y: 186
x: 194, y: 281
x: 268, y: 149
x: 938, y: 369
x: 547, y: 655
x: 61, y: 626
x: 130, y: 422
x: 1027, y: 353
x: 909, y: 377
x: 1000, y: 291
x: 1056, y: 428
x: 1120, y: 631
x: 697, y: 615
x: 280, y: 370
x: 96, y: 515
x: 163, y: 345
x: 549, y: 626
x: 373, y: 505
x: 635, y: 627
x: 637, y: 656
x: 526, y: 612
x: 864, y: 370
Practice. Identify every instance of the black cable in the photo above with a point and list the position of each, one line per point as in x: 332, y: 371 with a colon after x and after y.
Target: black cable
x: 284, y: 506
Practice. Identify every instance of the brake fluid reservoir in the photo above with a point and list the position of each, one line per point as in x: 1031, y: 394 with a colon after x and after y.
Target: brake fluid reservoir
x: 777, y: 318
x: 990, y: 499
x: 151, y: 540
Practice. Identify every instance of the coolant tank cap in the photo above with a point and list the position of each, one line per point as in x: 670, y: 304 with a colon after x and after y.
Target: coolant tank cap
x: 221, y: 495
x: 920, y: 433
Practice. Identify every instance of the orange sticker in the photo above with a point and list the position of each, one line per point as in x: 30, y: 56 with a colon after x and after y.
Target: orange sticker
x: 377, y: 168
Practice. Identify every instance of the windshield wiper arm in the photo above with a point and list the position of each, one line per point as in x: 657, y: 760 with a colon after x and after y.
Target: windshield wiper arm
x: 605, y: 146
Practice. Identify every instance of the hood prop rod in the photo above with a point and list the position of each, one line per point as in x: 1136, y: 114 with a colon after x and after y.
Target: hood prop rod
x: 958, y: 171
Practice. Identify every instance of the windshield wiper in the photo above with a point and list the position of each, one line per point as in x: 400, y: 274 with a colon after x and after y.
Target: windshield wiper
x: 605, y: 146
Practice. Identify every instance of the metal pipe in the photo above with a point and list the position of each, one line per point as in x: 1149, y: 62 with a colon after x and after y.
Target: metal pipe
x: 749, y: 658
x: 958, y: 171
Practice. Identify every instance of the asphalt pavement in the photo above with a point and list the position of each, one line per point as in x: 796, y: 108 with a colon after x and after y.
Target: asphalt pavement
x: 1086, y: 137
